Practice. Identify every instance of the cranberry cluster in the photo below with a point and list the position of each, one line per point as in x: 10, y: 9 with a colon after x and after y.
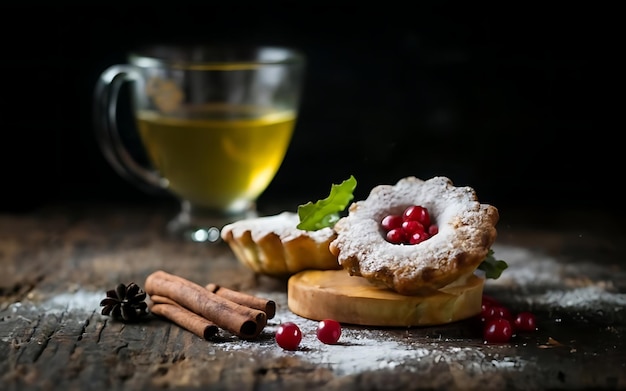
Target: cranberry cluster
x: 413, y: 226
x: 498, y: 323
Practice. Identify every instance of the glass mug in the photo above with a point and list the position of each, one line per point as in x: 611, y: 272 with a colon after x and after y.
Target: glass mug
x: 215, y: 123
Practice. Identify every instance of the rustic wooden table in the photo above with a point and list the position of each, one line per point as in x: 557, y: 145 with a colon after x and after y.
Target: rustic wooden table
x: 58, y: 262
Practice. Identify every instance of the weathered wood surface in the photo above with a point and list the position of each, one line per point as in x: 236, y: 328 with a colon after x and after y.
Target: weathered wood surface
x: 57, y: 263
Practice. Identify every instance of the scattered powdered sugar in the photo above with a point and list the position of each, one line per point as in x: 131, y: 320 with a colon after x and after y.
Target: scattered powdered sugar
x: 556, y: 284
x: 526, y: 267
x: 368, y: 348
x: 282, y: 224
x: 589, y: 298
x: 357, y: 350
x: 77, y: 301
x: 529, y: 268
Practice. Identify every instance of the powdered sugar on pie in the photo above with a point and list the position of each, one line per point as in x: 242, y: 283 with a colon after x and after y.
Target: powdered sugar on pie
x: 466, y: 233
x: 273, y: 245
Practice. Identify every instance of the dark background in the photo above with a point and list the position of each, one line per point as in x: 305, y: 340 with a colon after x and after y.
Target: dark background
x: 522, y: 103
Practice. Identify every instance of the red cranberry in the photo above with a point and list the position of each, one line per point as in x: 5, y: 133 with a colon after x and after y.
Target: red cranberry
x: 525, y: 321
x: 417, y: 213
x: 391, y: 221
x: 497, y: 330
x: 412, y: 226
x: 396, y: 236
x: 329, y: 331
x: 418, y: 237
x: 288, y: 336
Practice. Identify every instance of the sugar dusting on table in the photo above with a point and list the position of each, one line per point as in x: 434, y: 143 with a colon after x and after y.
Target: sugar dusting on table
x: 368, y: 349
x: 537, y: 273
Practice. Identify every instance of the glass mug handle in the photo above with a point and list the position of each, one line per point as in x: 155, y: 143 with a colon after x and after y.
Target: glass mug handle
x: 105, y: 116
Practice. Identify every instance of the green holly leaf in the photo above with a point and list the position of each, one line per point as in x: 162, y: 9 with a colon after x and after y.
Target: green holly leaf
x: 325, y: 213
x: 492, y: 267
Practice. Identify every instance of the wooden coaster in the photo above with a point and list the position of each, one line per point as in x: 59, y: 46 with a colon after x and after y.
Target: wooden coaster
x: 334, y: 294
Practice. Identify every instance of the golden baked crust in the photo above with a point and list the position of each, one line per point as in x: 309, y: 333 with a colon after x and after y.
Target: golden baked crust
x: 273, y: 245
x: 466, y: 233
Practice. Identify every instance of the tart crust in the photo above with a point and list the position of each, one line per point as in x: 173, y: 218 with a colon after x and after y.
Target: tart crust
x: 274, y: 246
x: 466, y: 233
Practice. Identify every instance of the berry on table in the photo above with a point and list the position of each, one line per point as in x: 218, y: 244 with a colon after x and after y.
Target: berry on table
x: 329, y: 331
x: 499, y: 311
x: 499, y: 324
x: 288, y: 336
x: 525, y: 321
x: 497, y: 330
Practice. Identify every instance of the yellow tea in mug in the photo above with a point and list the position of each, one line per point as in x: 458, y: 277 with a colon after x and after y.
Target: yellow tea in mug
x: 215, y: 122
x: 217, y: 157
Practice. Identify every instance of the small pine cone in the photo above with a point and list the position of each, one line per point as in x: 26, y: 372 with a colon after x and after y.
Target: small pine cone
x: 125, y: 302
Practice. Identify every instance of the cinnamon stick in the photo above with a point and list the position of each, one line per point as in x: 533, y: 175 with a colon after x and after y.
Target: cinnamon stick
x: 265, y: 305
x: 245, y: 322
x: 186, y: 319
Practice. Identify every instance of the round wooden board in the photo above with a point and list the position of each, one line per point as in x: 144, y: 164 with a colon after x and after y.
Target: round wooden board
x: 334, y: 294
